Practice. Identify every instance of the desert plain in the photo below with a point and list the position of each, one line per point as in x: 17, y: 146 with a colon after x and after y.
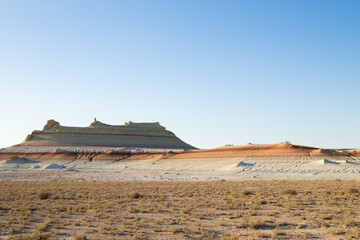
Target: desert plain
x: 180, y: 209
x: 142, y: 182
x: 279, y: 191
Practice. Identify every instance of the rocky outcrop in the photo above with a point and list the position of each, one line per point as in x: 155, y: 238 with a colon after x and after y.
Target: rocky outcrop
x: 98, y: 134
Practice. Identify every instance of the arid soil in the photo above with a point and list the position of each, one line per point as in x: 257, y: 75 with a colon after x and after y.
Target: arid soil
x: 180, y: 210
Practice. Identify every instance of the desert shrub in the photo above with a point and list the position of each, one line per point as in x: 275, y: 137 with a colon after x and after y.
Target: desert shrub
x: 336, y: 231
x: 290, y: 192
x: 353, y: 190
x: 277, y: 232
x: 352, y: 234
x: 135, y: 195
x: 42, y: 195
x: 247, y: 192
x: 45, y: 225
x: 35, y: 236
x: 177, y: 230
x: 326, y: 217
x: 80, y: 237
x: 257, y: 224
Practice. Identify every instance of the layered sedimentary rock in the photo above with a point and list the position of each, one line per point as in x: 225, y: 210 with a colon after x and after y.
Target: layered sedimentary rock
x: 151, y: 141
x: 283, y: 150
x: 98, y: 134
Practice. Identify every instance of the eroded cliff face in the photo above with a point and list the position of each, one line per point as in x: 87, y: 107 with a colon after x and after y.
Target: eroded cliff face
x: 134, y: 135
x: 246, y: 155
x: 151, y: 141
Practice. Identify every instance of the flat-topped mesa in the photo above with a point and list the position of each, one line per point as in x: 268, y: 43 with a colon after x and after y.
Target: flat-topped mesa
x: 140, y: 135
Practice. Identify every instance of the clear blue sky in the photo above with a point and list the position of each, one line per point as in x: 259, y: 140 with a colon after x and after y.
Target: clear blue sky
x: 213, y: 72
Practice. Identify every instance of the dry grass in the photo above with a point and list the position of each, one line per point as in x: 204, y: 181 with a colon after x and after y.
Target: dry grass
x: 43, y: 195
x: 180, y: 210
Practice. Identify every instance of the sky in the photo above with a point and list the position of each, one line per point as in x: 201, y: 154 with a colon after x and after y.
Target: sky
x: 212, y: 72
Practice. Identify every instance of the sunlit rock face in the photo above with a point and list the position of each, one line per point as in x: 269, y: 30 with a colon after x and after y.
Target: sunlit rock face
x: 135, y: 135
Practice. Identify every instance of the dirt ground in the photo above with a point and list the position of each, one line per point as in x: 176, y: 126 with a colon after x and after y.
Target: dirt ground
x: 180, y: 210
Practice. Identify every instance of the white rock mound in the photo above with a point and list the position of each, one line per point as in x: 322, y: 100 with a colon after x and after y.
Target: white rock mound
x: 54, y: 166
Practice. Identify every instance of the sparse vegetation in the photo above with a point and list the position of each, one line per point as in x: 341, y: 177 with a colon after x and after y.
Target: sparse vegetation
x: 290, y: 192
x: 247, y: 192
x: 80, y: 237
x: 353, y: 190
x: 180, y: 210
x: 135, y: 195
x: 42, y: 195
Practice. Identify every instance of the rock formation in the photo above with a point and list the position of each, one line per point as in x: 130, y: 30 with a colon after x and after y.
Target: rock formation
x: 151, y: 141
x: 98, y: 134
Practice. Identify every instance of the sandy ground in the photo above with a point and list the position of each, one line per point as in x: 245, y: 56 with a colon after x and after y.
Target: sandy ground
x: 181, y: 169
x: 264, y: 162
